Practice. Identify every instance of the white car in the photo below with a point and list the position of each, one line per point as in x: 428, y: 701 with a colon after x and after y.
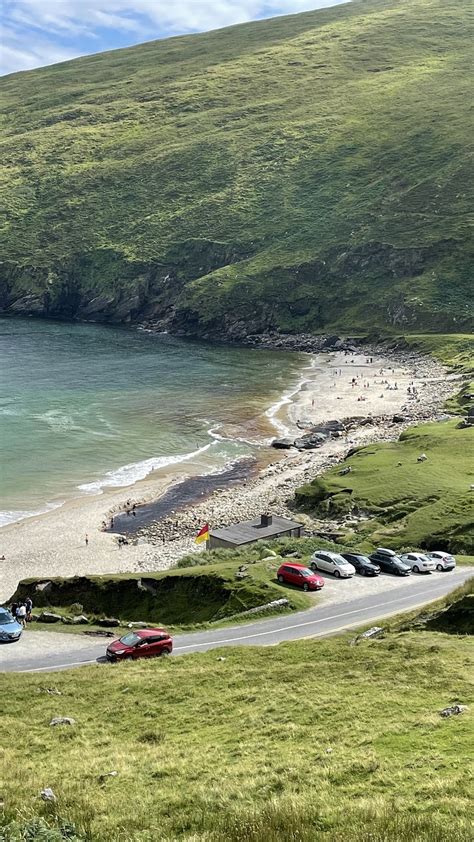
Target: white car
x: 419, y: 562
x: 443, y: 561
x: 332, y: 563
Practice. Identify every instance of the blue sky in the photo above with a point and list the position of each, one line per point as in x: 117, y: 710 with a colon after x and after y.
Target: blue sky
x: 39, y: 32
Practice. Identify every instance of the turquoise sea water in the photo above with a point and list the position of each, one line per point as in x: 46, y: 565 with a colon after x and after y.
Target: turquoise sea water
x: 85, y: 407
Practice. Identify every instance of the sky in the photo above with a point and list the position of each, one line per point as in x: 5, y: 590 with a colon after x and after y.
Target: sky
x: 38, y: 32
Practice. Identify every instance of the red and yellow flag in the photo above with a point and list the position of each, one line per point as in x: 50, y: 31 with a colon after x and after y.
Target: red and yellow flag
x: 203, y: 534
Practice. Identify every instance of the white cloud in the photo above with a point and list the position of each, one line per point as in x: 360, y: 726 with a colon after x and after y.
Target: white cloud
x: 40, y: 32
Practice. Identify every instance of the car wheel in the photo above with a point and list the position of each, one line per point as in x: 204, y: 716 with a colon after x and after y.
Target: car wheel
x: 281, y: 579
x: 362, y: 571
x: 416, y: 569
x: 314, y: 565
x: 165, y: 652
x: 305, y: 587
x: 337, y: 574
x: 439, y: 567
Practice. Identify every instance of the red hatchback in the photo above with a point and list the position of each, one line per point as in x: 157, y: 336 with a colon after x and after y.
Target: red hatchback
x: 146, y: 643
x: 301, y: 576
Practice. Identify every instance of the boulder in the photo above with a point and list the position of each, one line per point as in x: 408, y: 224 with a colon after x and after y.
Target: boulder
x: 283, y: 444
x: 80, y: 620
x: 108, y: 621
x: 63, y: 720
x: 311, y: 441
x: 398, y: 419
x: 47, y: 617
x: 43, y: 587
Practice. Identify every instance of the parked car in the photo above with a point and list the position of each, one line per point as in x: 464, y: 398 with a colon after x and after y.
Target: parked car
x: 299, y: 575
x: 146, y: 643
x: 389, y: 562
x: 362, y: 564
x: 418, y: 562
x: 443, y: 561
x: 331, y: 563
x: 10, y: 630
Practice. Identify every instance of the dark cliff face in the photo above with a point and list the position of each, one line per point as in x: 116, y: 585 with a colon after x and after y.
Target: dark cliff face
x: 372, y: 286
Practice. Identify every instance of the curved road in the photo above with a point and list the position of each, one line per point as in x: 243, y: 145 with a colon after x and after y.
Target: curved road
x: 314, y: 622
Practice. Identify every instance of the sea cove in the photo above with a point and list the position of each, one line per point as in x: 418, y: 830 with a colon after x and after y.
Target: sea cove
x: 85, y: 408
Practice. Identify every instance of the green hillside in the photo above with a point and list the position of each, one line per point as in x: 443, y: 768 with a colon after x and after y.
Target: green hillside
x: 310, y: 741
x: 279, y: 174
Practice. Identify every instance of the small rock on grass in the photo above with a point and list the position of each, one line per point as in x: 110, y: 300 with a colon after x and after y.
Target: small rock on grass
x: 103, y: 778
x: 453, y: 710
x: 63, y: 720
x: 47, y: 794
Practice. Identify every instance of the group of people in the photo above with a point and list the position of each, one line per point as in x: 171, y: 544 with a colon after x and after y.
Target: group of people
x: 21, y: 611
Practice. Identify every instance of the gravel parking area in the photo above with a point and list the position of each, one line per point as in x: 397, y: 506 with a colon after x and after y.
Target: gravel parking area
x: 339, y: 591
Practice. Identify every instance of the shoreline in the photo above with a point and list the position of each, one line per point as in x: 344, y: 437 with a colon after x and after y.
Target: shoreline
x: 53, y: 543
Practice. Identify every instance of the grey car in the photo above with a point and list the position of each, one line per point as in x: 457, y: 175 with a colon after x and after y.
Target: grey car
x: 10, y: 630
x: 331, y: 563
x: 419, y: 562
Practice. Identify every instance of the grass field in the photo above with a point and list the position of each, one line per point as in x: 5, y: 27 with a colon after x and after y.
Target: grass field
x: 308, y: 741
x: 407, y: 503
x: 280, y: 174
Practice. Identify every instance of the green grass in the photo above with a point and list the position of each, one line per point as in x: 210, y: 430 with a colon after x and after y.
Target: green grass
x: 281, y: 174
x: 307, y: 741
x: 408, y: 504
x: 455, y: 351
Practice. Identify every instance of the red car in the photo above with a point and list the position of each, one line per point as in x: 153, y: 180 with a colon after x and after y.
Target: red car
x: 146, y: 643
x: 301, y: 576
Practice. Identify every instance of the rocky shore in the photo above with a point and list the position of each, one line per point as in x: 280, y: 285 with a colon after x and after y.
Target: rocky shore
x: 320, y: 445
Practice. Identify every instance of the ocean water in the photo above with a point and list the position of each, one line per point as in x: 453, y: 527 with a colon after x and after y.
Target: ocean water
x: 86, y: 407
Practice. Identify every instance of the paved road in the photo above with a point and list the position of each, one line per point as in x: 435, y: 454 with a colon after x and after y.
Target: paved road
x: 315, y: 622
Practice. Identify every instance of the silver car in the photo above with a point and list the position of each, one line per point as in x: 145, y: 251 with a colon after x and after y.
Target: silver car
x: 331, y: 563
x: 443, y: 561
x: 419, y: 562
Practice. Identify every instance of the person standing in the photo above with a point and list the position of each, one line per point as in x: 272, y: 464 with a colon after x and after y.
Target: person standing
x: 21, y: 614
x: 29, y: 608
x: 86, y: 539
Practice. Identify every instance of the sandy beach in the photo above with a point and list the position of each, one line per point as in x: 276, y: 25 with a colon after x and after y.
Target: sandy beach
x: 332, y: 386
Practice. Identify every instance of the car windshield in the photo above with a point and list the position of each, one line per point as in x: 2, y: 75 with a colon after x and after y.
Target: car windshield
x: 5, y: 617
x: 130, y: 639
x: 338, y: 559
x: 307, y: 572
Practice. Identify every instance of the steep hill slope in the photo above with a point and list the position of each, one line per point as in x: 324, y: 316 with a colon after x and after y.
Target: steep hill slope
x: 280, y: 174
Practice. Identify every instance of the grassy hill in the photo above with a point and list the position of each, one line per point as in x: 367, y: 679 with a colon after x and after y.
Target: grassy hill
x: 314, y: 741
x: 280, y: 174
x: 406, y: 503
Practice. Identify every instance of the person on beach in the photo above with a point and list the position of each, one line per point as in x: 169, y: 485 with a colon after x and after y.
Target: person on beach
x: 29, y: 608
x: 111, y: 523
x: 86, y: 539
x: 21, y: 614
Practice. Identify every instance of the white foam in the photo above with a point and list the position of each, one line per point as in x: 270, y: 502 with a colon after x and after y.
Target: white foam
x: 272, y: 411
x: 135, y: 471
x: 8, y: 517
